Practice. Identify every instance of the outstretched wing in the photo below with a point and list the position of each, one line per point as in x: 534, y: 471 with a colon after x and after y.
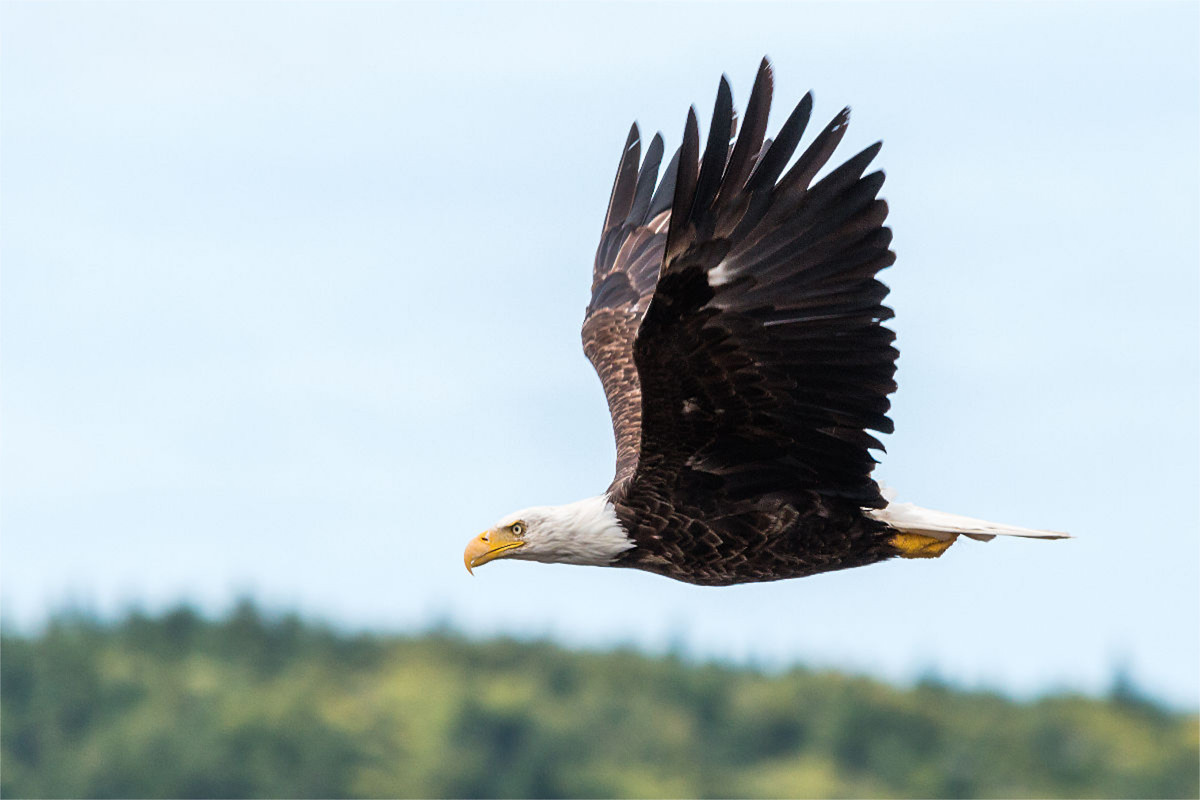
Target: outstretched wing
x: 626, y: 269
x: 761, y: 357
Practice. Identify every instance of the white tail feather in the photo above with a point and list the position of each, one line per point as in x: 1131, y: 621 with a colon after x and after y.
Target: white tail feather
x: 910, y: 518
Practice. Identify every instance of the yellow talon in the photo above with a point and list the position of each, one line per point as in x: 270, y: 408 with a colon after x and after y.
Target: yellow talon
x: 914, y: 545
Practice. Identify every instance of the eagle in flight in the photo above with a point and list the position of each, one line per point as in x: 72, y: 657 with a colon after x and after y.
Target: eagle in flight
x: 736, y: 323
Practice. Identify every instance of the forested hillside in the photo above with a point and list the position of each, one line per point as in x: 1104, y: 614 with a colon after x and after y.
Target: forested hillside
x: 177, y: 706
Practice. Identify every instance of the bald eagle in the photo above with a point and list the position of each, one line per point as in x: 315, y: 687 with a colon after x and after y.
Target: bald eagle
x: 736, y: 324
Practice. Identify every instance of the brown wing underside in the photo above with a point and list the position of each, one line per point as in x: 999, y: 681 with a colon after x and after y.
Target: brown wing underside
x: 623, y: 278
x: 608, y: 334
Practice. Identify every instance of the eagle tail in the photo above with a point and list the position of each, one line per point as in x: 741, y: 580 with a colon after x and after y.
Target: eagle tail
x: 915, y: 523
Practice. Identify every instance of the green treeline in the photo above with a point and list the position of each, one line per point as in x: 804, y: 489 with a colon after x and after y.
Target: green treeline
x: 177, y: 706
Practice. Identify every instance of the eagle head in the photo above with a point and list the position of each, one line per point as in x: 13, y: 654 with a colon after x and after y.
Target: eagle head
x: 496, y: 542
x: 586, y: 532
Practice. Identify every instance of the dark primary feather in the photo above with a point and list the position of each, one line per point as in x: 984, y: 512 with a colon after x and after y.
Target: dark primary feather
x: 738, y: 337
x: 754, y: 129
x: 647, y: 176
x: 716, y: 152
x: 686, y: 179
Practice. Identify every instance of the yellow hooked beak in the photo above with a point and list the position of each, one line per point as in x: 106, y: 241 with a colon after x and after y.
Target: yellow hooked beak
x: 489, y: 546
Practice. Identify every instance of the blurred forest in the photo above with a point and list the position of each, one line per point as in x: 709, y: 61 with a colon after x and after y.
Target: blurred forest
x: 257, y: 706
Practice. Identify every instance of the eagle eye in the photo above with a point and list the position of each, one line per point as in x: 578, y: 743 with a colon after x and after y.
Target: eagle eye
x: 517, y: 528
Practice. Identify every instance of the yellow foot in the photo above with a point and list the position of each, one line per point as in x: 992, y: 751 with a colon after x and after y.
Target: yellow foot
x: 914, y: 545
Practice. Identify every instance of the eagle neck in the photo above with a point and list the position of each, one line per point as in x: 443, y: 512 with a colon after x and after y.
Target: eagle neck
x: 584, y: 532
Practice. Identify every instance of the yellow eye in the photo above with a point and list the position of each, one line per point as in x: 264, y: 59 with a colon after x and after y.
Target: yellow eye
x: 518, y: 528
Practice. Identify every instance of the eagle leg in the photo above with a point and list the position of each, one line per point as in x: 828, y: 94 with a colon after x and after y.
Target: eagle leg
x: 914, y: 545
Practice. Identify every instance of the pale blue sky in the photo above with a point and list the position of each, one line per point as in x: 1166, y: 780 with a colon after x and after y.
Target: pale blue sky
x: 291, y: 301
